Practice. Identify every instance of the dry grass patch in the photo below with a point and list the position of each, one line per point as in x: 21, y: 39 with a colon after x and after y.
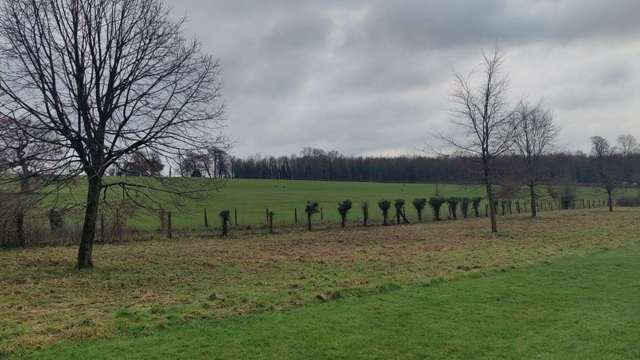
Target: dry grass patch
x: 139, y: 286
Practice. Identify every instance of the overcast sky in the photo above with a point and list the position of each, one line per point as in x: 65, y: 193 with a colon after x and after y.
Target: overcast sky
x: 374, y: 77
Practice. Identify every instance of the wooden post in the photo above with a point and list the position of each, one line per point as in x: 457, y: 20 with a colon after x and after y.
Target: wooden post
x: 271, y: 222
x: 266, y: 213
x: 206, y: 219
x: 321, y: 214
x: 295, y: 215
x: 169, y: 228
x: 235, y: 216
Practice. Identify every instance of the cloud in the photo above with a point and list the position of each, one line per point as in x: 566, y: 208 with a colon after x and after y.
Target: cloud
x: 374, y: 77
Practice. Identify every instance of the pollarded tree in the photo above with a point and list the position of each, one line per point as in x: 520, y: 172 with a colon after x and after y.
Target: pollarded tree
x: 453, y: 207
x: 399, y: 205
x: 475, y: 203
x: 419, y: 204
x: 225, y: 216
x: 436, y: 204
x: 384, y: 206
x: 312, y: 207
x: 103, y: 79
x: 533, y: 139
x: 343, y: 208
x: 464, y: 206
x: 483, y: 114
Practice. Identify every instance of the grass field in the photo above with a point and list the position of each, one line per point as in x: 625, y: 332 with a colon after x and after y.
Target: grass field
x: 581, y: 307
x: 252, y: 197
x: 157, y: 288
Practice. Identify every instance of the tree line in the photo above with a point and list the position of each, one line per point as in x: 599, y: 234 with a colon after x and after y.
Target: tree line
x: 556, y: 168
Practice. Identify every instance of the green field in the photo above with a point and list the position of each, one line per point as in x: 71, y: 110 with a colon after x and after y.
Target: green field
x: 573, y: 308
x: 251, y: 198
x: 496, y: 294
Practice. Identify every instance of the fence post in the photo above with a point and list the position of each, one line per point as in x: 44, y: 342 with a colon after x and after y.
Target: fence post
x: 206, y: 219
x: 295, y: 216
x: 271, y: 222
x: 235, y: 216
x: 321, y: 214
x: 169, y: 229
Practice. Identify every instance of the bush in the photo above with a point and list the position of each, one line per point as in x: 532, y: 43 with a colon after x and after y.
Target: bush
x: 56, y: 219
x: 419, y: 204
x: 384, y: 205
x: 436, y: 204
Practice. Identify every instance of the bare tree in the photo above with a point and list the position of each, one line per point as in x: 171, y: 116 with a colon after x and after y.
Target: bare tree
x: 533, y: 139
x: 628, y: 144
x: 25, y: 166
x: 104, y: 79
x: 602, y: 154
x: 483, y: 114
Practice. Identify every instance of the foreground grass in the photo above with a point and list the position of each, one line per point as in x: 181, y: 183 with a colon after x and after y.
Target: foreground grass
x: 574, y: 308
x: 138, y: 288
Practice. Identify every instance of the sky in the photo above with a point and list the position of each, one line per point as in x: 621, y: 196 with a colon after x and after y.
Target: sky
x: 375, y: 77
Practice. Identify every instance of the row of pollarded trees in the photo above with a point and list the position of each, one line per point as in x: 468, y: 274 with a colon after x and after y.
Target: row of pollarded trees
x: 385, y: 206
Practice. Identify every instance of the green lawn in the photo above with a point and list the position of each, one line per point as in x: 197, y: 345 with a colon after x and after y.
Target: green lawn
x: 251, y: 198
x: 580, y: 307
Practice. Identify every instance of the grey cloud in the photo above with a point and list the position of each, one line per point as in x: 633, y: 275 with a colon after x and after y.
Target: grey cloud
x: 374, y: 76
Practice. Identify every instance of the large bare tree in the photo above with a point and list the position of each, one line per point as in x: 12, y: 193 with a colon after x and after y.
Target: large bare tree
x: 482, y: 112
x: 533, y: 139
x: 104, y: 79
x: 602, y: 154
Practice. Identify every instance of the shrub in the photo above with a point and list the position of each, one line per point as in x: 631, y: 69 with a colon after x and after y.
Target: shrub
x: 419, y: 204
x: 384, y: 205
x: 343, y: 209
x: 453, y: 206
x: 436, y: 204
x: 56, y: 219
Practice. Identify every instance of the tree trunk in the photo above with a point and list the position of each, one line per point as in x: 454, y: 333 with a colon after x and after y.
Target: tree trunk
x: 609, y: 193
x: 89, y: 226
x: 492, y: 204
x: 309, y: 222
x: 344, y: 220
x: 532, y: 194
x: 19, y: 223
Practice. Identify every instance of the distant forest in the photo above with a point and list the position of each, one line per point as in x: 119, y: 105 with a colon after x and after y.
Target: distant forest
x: 316, y: 164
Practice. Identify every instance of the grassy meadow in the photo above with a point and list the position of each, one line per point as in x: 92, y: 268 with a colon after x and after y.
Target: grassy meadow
x: 251, y: 198
x: 570, y: 308
x: 561, y: 286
